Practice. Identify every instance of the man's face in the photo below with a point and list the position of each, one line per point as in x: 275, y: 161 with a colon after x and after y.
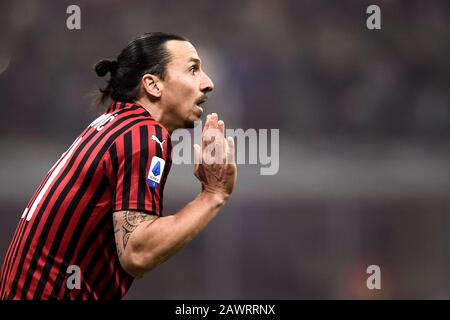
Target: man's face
x: 185, y: 85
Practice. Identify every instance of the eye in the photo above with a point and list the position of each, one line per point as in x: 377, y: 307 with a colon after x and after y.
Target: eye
x: 193, y: 69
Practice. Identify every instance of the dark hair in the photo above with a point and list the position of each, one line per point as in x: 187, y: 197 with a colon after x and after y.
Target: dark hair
x: 145, y: 54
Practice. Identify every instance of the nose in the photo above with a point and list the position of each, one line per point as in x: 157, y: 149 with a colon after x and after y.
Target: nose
x: 206, y: 85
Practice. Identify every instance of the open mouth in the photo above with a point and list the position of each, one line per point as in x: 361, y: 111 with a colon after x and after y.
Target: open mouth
x: 201, y: 101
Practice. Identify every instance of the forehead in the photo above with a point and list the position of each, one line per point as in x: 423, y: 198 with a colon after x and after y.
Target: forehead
x: 182, y: 52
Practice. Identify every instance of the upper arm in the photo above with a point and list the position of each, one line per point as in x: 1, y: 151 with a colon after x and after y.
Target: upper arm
x: 137, y: 167
x: 125, y: 223
x: 134, y: 166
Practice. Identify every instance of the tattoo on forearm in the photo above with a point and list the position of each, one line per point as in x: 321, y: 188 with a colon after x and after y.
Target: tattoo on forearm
x: 131, y: 221
x: 116, y: 229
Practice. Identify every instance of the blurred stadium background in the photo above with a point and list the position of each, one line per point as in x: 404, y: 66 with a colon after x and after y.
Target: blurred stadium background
x: 364, y: 119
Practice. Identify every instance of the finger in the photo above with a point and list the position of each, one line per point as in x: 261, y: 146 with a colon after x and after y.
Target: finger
x: 221, y: 130
x: 231, y: 155
x: 207, y: 122
x: 214, y: 119
x: 219, y: 143
x: 205, y: 136
x: 210, y: 132
x: 221, y: 127
x: 221, y: 137
x: 197, y: 157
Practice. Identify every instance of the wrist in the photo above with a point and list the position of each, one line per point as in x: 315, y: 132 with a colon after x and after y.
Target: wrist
x: 215, y: 197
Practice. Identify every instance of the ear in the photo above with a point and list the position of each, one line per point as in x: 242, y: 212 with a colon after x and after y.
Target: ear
x: 152, y: 85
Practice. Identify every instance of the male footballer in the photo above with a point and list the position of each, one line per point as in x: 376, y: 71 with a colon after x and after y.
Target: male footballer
x: 100, y: 206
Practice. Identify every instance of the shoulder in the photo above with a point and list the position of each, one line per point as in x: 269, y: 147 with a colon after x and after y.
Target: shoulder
x: 148, y: 127
x: 136, y: 120
x: 146, y: 136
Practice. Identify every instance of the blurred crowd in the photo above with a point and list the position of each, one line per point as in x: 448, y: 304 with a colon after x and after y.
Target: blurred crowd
x: 306, y: 67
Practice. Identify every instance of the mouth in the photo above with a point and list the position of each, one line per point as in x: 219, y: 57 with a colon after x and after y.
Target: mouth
x: 200, y: 102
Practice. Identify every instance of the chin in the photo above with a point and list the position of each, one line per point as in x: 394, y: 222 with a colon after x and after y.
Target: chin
x: 189, y: 124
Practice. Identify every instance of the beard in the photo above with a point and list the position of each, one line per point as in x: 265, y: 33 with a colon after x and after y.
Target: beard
x: 189, y: 124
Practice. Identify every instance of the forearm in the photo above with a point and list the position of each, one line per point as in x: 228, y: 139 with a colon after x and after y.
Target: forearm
x: 155, y: 242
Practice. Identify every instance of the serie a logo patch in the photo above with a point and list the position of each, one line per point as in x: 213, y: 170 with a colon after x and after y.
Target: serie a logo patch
x: 155, y: 172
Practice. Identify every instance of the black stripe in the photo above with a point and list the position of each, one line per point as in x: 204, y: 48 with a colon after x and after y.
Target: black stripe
x: 111, y: 251
x: 11, y: 256
x: 15, y: 242
x: 105, y: 291
x: 126, y: 183
x: 62, y: 196
x: 44, y: 205
x: 167, y: 168
x: 169, y: 147
x: 88, y: 244
x: 98, y: 255
x: 143, y: 160
x: 14, y: 252
x: 113, y: 155
x: 96, y: 258
x: 158, y: 132
x: 111, y: 291
x: 159, y: 153
x: 96, y: 197
x: 114, y: 107
x: 56, y: 184
x: 75, y: 200
x: 117, y: 295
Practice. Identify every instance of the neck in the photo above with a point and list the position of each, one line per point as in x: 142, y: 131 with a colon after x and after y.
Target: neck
x: 156, y: 113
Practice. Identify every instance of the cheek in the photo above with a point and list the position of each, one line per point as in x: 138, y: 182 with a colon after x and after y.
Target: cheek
x: 187, y: 94
x: 183, y: 93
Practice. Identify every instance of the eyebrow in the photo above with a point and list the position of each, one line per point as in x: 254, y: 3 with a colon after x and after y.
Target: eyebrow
x: 198, y: 61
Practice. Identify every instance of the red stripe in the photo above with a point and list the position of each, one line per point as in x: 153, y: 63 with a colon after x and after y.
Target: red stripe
x: 119, y: 190
x: 60, y: 213
x: 109, y: 276
x: 109, y: 254
x: 9, y: 260
x: 23, y: 223
x: 100, y: 242
x: 56, y: 267
x: 136, y: 148
x: 104, y: 241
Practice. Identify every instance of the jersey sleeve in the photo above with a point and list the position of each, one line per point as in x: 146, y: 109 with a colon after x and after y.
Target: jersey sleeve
x: 137, y: 165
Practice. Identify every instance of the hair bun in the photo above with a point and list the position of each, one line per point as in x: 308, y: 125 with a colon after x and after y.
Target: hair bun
x: 104, y: 66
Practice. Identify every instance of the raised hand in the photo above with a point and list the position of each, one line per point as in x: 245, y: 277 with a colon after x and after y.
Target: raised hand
x: 215, y: 164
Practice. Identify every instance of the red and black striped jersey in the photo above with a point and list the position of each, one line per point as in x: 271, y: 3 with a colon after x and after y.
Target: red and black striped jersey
x: 119, y: 162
